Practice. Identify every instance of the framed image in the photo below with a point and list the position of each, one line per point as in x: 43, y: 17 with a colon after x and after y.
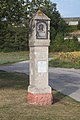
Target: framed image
x: 41, y: 30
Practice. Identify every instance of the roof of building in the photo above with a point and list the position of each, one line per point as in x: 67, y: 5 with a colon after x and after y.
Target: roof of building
x: 72, y: 19
x: 76, y: 33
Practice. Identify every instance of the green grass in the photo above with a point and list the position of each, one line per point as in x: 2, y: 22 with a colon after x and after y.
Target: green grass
x: 63, y: 64
x: 13, y: 80
x: 65, y: 60
x: 14, y: 106
x: 12, y: 57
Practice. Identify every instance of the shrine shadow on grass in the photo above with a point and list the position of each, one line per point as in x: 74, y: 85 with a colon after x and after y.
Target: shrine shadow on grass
x: 12, y: 80
x: 57, y: 96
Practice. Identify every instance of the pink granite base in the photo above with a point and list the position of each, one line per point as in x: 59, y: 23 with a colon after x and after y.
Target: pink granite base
x: 39, y: 99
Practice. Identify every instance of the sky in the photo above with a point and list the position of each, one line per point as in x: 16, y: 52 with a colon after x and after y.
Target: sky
x: 68, y: 8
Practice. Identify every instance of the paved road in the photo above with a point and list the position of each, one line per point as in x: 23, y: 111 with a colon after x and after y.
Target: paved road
x: 67, y: 81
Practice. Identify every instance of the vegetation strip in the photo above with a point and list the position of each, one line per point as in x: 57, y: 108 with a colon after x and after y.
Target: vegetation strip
x: 12, y: 57
x: 66, y: 60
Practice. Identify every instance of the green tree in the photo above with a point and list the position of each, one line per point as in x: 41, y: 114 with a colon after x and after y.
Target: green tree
x: 71, y: 45
x: 16, y: 13
x: 13, y: 25
x: 58, y: 43
x: 63, y: 27
x: 78, y: 26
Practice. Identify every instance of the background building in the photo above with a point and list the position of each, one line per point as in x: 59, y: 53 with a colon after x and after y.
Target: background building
x: 72, y: 20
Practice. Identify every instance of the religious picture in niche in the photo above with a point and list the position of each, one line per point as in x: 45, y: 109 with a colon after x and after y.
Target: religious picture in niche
x: 41, y: 30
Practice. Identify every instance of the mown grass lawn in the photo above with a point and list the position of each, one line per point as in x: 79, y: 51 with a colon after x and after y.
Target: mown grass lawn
x: 66, y: 60
x: 14, y: 106
x: 12, y: 57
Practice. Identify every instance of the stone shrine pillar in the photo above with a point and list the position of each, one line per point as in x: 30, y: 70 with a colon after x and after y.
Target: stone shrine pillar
x: 39, y: 92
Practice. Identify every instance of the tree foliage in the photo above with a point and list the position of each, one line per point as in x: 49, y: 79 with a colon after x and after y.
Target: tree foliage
x: 15, y: 16
x: 78, y: 26
x: 13, y: 25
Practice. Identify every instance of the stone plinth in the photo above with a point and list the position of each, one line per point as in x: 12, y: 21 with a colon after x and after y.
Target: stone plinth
x: 39, y: 99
